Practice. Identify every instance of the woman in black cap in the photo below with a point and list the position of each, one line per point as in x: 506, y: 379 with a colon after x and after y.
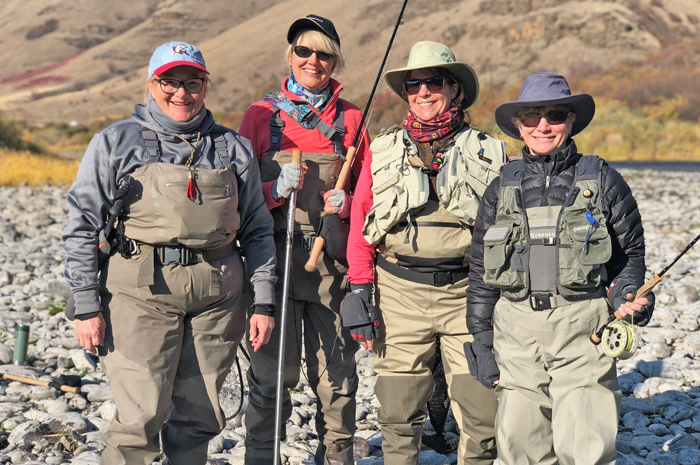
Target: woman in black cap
x: 557, y: 233
x: 306, y: 114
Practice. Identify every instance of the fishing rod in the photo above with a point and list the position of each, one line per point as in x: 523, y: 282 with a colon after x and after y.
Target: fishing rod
x: 359, y: 136
x: 597, y: 337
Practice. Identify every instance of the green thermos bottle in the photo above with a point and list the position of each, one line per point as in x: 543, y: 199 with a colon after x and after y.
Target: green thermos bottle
x: 19, y: 357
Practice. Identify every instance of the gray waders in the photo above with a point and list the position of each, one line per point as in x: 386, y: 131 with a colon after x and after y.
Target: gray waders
x: 173, y: 315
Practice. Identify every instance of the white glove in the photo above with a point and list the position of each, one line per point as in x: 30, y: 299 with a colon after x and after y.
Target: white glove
x: 337, y: 201
x: 289, y: 179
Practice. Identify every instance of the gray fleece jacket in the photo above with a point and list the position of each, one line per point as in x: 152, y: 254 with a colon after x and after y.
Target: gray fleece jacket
x: 119, y: 150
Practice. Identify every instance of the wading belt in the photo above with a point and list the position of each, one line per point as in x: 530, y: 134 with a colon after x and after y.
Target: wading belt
x: 541, y: 301
x: 298, y: 241
x: 178, y: 255
x: 435, y: 278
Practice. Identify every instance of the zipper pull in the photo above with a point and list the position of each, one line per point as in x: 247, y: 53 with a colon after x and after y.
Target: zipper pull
x: 546, y: 182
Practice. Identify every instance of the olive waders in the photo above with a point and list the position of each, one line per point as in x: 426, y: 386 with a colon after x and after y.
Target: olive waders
x: 314, y: 305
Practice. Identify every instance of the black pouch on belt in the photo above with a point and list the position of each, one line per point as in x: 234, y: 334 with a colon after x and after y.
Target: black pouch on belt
x: 335, y: 232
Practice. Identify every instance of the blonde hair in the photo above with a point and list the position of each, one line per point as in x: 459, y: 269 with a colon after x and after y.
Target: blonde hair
x: 321, y: 42
x: 570, y: 118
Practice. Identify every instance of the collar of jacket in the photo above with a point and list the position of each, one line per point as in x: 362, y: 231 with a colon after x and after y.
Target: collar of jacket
x: 334, y: 85
x: 560, y: 161
x: 142, y: 116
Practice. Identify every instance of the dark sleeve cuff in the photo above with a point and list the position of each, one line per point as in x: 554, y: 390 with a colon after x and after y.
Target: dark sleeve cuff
x: 86, y: 316
x: 263, y: 309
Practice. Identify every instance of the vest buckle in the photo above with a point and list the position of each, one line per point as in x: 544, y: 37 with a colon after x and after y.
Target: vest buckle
x: 539, y: 302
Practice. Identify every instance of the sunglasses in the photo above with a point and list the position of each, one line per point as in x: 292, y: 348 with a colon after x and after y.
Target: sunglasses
x: 434, y: 84
x: 171, y: 86
x: 532, y: 120
x: 306, y: 52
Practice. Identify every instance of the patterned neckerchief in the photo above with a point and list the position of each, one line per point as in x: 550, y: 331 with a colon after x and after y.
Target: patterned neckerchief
x: 434, y: 129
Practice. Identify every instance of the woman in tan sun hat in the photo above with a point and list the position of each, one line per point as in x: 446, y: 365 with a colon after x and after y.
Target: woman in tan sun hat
x: 414, y: 209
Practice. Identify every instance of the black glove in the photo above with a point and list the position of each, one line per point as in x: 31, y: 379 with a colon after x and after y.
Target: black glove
x: 357, y: 312
x: 480, y: 358
x: 617, y: 295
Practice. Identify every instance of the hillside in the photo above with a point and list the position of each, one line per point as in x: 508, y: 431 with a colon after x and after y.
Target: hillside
x: 87, y: 59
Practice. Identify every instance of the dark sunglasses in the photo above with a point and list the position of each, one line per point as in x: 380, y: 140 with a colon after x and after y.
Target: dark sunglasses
x: 171, y: 86
x: 434, y: 84
x: 306, y: 52
x: 532, y: 120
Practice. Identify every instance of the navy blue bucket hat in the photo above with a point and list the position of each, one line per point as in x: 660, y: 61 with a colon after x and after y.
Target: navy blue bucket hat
x: 542, y: 89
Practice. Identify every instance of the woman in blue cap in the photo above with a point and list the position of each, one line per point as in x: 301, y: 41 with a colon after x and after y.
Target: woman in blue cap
x: 163, y: 310
x: 558, y: 243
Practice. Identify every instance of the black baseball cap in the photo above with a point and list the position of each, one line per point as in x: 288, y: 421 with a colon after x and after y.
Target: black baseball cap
x: 314, y: 22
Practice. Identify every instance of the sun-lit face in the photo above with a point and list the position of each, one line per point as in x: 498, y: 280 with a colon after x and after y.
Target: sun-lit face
x: 182, y: 105
x: 311, y: 73
x: 426, y: 105
x: 545, y: 138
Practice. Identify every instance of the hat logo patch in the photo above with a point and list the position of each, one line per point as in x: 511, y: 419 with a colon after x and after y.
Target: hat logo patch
x: 447, y: 58
x: 181, y: 49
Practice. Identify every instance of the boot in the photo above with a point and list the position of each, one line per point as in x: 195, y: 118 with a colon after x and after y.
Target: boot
x: 343, y: 457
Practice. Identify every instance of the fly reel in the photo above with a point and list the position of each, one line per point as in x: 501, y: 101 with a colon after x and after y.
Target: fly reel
x: 620, y: 339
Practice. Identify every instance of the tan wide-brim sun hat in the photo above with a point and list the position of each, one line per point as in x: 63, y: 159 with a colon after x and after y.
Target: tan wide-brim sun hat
x: 427, y: 54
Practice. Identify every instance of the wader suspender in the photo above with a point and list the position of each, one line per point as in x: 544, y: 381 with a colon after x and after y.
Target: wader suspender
x: 333, y: 133
x: 152, y: 143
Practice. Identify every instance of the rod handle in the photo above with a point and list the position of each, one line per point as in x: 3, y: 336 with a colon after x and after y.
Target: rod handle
x: 39, y: 382
x: 311, y: 264
x: 315, y: 253
x: 296, y: 156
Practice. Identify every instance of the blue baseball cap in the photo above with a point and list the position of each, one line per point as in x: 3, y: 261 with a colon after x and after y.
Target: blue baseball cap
x: 174, y: 54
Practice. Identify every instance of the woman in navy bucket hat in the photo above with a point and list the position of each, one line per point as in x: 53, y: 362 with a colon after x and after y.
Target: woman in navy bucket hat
x: 558, y: 244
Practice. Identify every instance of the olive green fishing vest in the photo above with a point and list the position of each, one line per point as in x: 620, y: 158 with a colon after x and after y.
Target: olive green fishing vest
x: 569, y: 245
x: 403, y: 221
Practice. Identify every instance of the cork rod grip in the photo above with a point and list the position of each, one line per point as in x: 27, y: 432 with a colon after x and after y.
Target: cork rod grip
x: 339, y: 184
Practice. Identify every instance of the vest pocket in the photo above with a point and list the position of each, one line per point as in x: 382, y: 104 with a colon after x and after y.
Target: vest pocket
x: 582, y: 263
x: 505, y: 260
x: 388, y: 174
x: 385, y: 214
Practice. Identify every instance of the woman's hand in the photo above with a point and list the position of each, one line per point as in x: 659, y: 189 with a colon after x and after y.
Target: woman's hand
x: 90, y: 333
x: 632, y: 305
x: 336, y: 201
x: 261, y: 327
x: 291, y: 178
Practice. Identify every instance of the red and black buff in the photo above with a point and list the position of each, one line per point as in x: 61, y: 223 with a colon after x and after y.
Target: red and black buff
x: 434, y: 129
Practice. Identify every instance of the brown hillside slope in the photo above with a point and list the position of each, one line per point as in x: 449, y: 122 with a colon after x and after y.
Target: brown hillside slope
x: 89, y: 59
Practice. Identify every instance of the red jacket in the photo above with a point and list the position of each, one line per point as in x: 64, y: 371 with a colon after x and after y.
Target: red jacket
x: 256, y: 127
x: 360, y: 252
